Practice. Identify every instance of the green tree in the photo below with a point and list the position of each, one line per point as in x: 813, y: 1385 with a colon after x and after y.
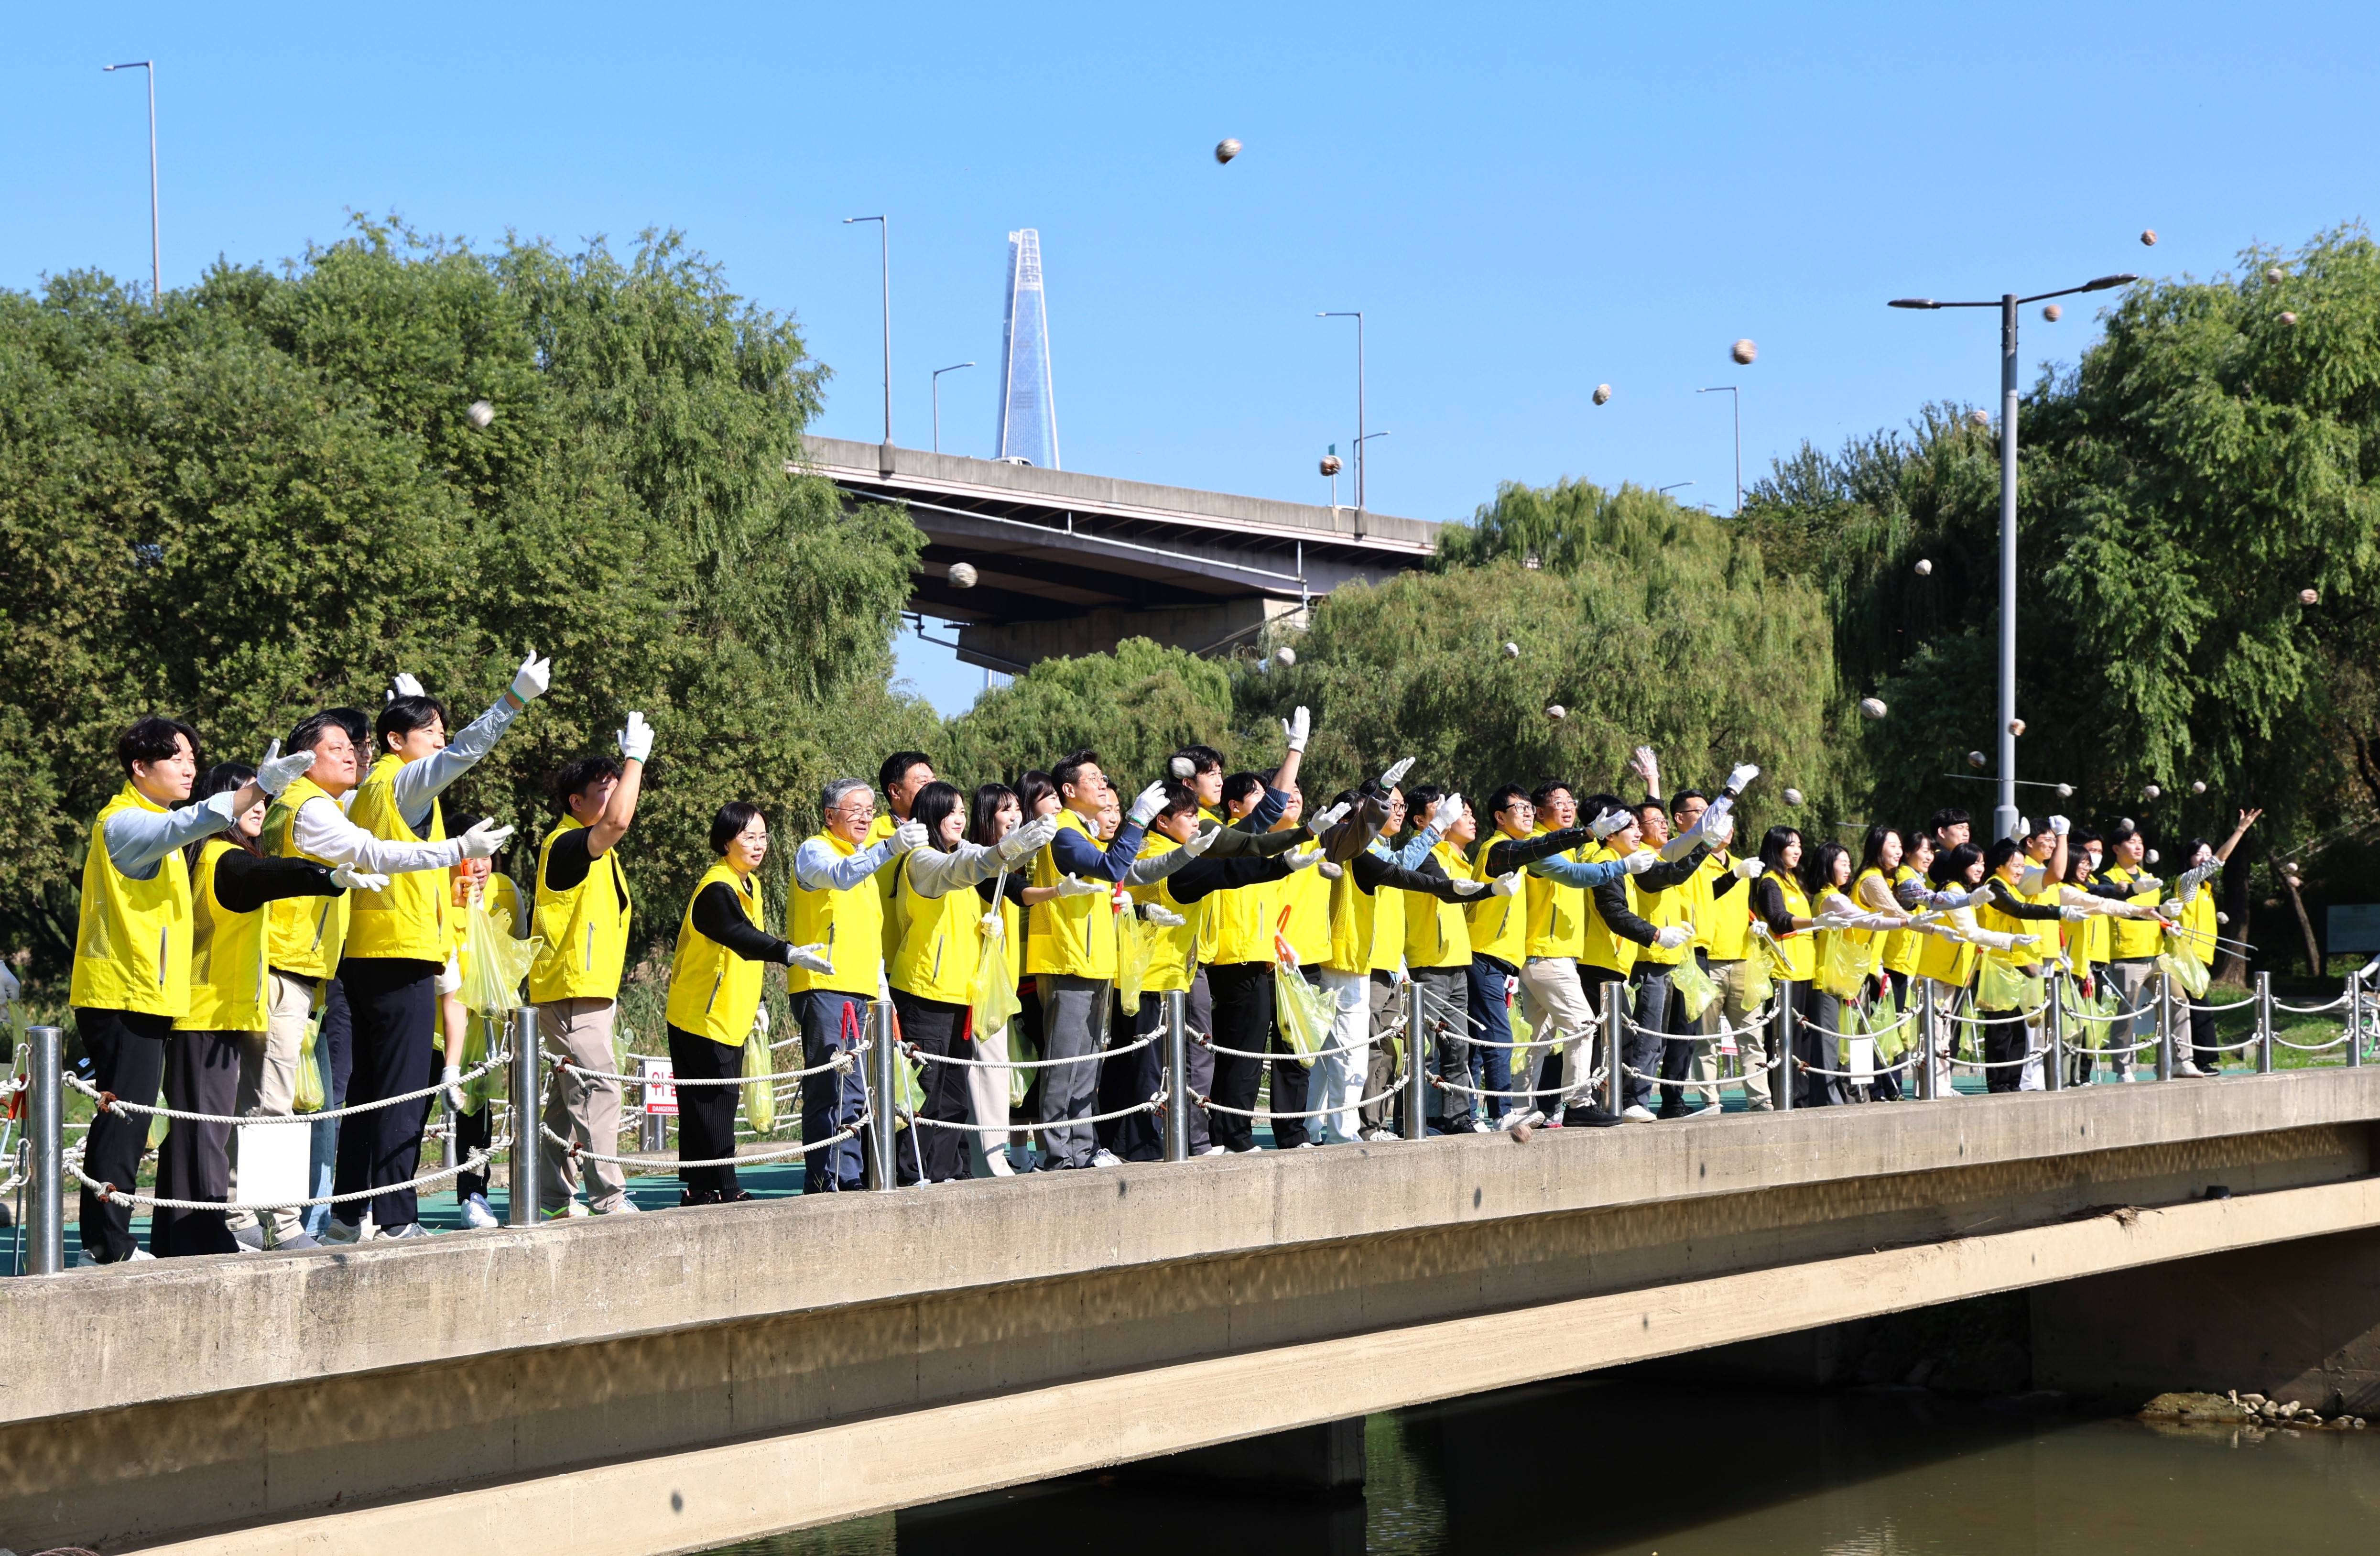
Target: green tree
x: 1135, y: 707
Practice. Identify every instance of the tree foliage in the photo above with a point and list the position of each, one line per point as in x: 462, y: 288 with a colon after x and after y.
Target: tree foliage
x: 1135, y: 707
x: 263, y: 495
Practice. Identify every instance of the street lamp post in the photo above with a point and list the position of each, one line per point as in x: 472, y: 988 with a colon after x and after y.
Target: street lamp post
x: 937, y: 402
x: 2004, y: 814
x: 1361, y: 436
x: 884, y: 229
x: 1737, y: 393
x: 156, y: 252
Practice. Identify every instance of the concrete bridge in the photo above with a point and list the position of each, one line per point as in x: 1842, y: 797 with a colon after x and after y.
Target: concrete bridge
x: 673, y: 1382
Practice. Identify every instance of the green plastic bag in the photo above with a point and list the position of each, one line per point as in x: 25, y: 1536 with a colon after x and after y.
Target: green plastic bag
x: 1844, y: 966
x: 1136, y: 949
x: 760, y: 1095
x: 158, y: 1123
x: 1021, y: 1050
x: 494, y: 963
x: 1693, y: 986
x: 1890, y: 1028
x: 1301, y: 1011
x: 2001, y: 987
x: 2189, y: 974
x: 479, y: 1092
x: 996, y: 1004
x: 309, y: 1098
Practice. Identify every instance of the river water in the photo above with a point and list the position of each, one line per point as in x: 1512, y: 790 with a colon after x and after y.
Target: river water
x: 1644, y: 1466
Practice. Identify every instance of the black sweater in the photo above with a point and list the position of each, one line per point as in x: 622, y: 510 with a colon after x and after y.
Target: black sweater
x: 246, y: 882
x: 1611, y: 897
x: 719, y: 914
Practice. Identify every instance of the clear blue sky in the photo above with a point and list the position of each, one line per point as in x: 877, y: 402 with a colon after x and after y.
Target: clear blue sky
x: 1528, y: 200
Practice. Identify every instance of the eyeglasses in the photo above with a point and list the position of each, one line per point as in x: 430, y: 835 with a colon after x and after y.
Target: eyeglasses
x: 857, y: 812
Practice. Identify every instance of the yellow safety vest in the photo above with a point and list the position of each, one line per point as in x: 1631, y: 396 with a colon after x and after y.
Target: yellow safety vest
x: 849, y: 923
x: 1301, y: 914
x: 585, y: 929
x: 887, y: 889
x: 303, y: 935
x: 1946, y: 961
x: 132, y: 942
x: 2133, y: 939
x: 1901, y: 946
x: 1994, y: 918
x: 1557, y: 914
x: 715, y: 993
x: 1730, y: 930
x: 1437, y: 933
x: 1073, y: 937
x: 1172, y: 963
x: 227, y: 982
x: 1800, y: 947
x: 409, y: 918
x: 941, y: 941
x: 2198, y: 925
x: 1661, y: 908
x: 1367, y: 929
x: 1602, y: 947
x: 1500, y: 926
x: 1244, y: 917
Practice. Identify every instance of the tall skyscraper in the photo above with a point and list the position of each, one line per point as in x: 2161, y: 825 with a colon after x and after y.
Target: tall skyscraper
x: 1028, y: 410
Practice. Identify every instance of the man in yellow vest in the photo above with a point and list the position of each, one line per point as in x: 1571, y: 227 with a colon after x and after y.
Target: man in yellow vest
x: 1437, y: 959
x: 1500, y: 936
x: 398, y: 940
x: 2193, y: 907
x: 581, y: 919
x: 1646, y: 910
x: 1554, y: 990
x: 134, y: 942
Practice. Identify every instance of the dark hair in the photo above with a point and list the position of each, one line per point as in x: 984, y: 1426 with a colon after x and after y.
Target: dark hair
x: 403, y: 716
x: 1818, y: 868
x: 352, y: 720
x: 2002, y: 850
x: 152, y: 739
x: 458, y: 825
x: 1651, y: 804
x: 732, y: 818
x: 1344, y: 796
x: 1033, y: 786
x: 1678, y: 800
x: 1203, y: 759
x: 2035, y: 828
x: 1952, y: 864
x: 983, y: 812
x: 1240, y: 785
x: 311, y: 730
x: 1914, y: 838
x: 2123, y: 832
x: 1504, y: 797
x: 577, y: 778
x: 1542, y: 795
x: 1772, y: 846
x: 224, y: 777
x: 1421, y: 797
x: 1872, y: 847
x: 1179, y: 796
x: 2190, y: 849
x: 931, y: 806
x: 896, y: 767
x: 1948, y: 816
x: 1069, y: 769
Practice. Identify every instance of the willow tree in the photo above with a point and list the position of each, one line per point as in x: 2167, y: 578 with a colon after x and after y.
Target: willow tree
x: 1135, y: 707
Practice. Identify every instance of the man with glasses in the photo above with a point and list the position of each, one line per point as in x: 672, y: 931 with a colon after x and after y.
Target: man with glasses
x: 837, y: 906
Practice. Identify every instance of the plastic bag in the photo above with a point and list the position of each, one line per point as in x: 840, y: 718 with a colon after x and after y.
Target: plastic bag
x: 1890, y: 1028
x: 1693, y: 986
x: 309, y: 1096
x: 1022, y: 1049
x: 1136, y: 949
x: 478, y: 1092
x: 760, y: 1095
x: 1843, y: 967
x: 996, y: 1004
x: 1301, y: 1011
x: 2001, y: 987
x: 494, y: 963
x: 2189, y: 974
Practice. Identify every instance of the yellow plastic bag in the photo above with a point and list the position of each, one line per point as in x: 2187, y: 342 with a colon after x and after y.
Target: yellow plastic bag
x: 1842, y: 967
x: 1136, y: 949
x: 2189, y: 974
x: 310, y: 1097
x: 1693, y: 986
x: 1890, y: 1028
x: 760, y: 1095
x: 494, y: 963
x: 2001, y: 987
x: 996, y: 1004
x: 1301, y: 1011
x: 1021, y: 1050
x: 479, y: 1092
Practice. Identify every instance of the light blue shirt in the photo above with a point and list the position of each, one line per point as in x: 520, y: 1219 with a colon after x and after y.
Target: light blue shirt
x: 819, y: 868
x: 138, y: 841
x: 419, y: 784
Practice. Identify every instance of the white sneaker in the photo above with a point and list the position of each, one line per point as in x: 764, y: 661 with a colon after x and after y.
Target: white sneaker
x: 1210, y: 1150
x: 1381, y: 1137
x: 1524, y: 1118
x: 1240, y: 1150
x: 409, y: 1230
x: 2126, y: 1078
x: 1305, y: 1144
x: 1637, y: 1113
x: 335, y: 1231
x: 1106, y: 1157
x: 2189, y: 1067
x: 1712, y: 1111
x: 624, y: 1205
x: 1481, y: 1126
x: 475, y: 1213
x: 996, y: 1163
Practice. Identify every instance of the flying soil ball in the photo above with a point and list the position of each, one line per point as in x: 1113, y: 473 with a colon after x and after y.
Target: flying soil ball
x: 2222, y: 919
x: 1330, y: 465
x: 2309, y: 597
x: 2016, y: 727
x: 1226, y: 149
x: 1871, y: 707
x: 2149, y: 857
x: 481, y: 413
x: 2275, y: 276
x: 1287, y: 655
x: 1743, y: 351
x: 1181, y: 769
x: 2290, y: 320
x: 961, y: 575
x: 1792, y: 796
x: 2066, y: 791
x: 2151, y: 791
x: 2052, y: 312
x: 2148, y: 237
x: 1976, y: 758
x: 1925, y: 568
x: 1556, y: 712
x: 2198, y: 785
x: 1511, y: 650
x: 1603, y: 394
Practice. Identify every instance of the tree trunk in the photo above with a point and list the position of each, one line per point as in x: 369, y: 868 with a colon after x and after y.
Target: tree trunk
x: 2314, y: 951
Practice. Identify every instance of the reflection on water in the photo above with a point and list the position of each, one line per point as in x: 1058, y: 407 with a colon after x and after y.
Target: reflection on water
x: 1640, y: 1465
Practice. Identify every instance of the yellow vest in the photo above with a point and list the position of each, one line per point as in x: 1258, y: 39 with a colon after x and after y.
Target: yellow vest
x: 2133, y: 939
x: 227, y: 983
x: 1901, y: 947
x: 303, y: 935
x: 1945, y: 960
x: 1302, y: 915
x: 1730, y: 916
x: 849, y: 923
x: 1601, y: 947
x: 1990, y: 917
x: 1367, y: 929
x: 713, y: 992
x: 1171, y: 962
x: 132, y: 943
x: 1660, y: 908
x: 1437, y: 933
x: 887, y: 889
x: 1801, y: 949
x: 1500, y: 926
x: 410, y: 917
x: 941, y: 941
x: 585, y: 929
x: 2198, y: 925
x: 1244, y: 917
x: 1557, y: 914
x: 1073, y: 937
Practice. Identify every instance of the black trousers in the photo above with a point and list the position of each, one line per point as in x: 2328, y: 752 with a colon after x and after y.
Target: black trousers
x: 2004, y: 1042
x: 1289, y: 1078
x: 1134, y: 1076
x: 472, y: 1133
x: 938, y: 1028
x: 128, y: 1057
x: 1888, y: 1087
x: 1242, y: 993
x: 705, y: 1114
x: 1808, y: 1047
x: 393, y: 1002
x: 202, y: 1077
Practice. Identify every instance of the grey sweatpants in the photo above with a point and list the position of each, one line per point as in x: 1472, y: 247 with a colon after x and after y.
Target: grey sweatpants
x: 1073, y: 1024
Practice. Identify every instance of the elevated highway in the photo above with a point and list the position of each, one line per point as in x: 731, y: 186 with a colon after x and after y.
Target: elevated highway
x: 673, y: 1382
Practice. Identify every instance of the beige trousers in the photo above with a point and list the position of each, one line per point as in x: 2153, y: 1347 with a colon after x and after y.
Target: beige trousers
x: 1752, y: 1048
x: 268, y: 1087
x: 987, y: 1094
x: 581, y: 1109
x: 1555, y: 1002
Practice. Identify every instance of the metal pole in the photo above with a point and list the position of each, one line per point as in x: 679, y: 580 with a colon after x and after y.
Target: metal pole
x: 1177, y: 1075
x: 1416, y: 1076
x: 156, y: 248
x: 1614, y: 994
x: 887, y: 232
x: 1738, y: 396
x: 2003, y: 815
x: 1925, y: 1040
x: 2264, y: 1022
x: 1781, y: 1085
x: 45, y: 1211
x: 2164, y: 1028
x: 1359, y: 412
x: 2053, y: 1032
x: 882, y: 1095
x: 528, y: 1063
x: 2355, y: 1017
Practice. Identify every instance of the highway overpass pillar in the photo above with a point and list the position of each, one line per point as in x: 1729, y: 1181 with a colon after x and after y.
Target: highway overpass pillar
x: 1326, y: 1459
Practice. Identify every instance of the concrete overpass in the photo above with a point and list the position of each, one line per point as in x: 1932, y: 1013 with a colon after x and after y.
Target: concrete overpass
x: 1073, y: 563
x: 677, y: 1381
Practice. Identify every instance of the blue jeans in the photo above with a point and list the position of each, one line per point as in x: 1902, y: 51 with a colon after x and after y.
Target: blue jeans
x: 831, y: 1100
x: 334, y: 1050
x: 1491, y: 1068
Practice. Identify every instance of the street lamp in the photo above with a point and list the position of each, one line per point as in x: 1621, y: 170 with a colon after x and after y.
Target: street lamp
x: 156, y: 254
x: 1673, y: 486
x: 938, y: 402
x: 1738, y: 395
x: 2004, y: 814
x: 1360, y: 437
x: 885, y: 230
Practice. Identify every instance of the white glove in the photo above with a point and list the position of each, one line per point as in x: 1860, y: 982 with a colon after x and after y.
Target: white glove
x: 1302, y: 858
x: 991, y: 923
x: 910, y: 836
x: 1202, y: 840
x: 1611, y: 821
x: 1030, y: 838
x: 1396, y: 772
x: 1468, y: 887
x: 1297, y: 726
x: 1148, y: 803
x: 1164, y: 918
x: 2072, y: 915
x: 2058, y: 825
x: 1446, y: 813
x: 276, y: 773
x: 1749, y: 869
x: 533, y: 676
x: 1672, y: 936
x: 1647, y: 766
x: 2025, y: 940
x: 1744, y: 774
x: 1828, y: 921
x: 1640, y: 861
x: 1507, y: 883
x: 637, y: 740
x: 1329, y: 818
x: 484, y: 839
x: 348, y: 877
x: 452, y: 1080
x: 1719, y: 834
x: 812, y: 957
x: 406, y: 684
x: 2148, y: 884
x: 1073, y: 886
x: 450, y: 977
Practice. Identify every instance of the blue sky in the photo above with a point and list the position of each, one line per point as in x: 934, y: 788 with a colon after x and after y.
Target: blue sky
x: 1527, y: 201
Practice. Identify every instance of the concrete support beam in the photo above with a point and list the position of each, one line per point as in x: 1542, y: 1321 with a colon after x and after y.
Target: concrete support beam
x: 1325, y: 1459
x: 1009, y: 645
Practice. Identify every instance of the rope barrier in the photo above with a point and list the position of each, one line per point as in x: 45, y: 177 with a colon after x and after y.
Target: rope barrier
x: 1213, y: 1047
x: 671, y: 1163
x: 2311, y: 1009
x: 1213, y: 1106
x: 2029, y: 1057
x: 842, y: 1061
x: 1892, y: 1069
x: 128, y: 1199
x: 109, y: 1102
x: 1097, y: 1056
x: 2310, y: 1047
x: 1156, y: 1103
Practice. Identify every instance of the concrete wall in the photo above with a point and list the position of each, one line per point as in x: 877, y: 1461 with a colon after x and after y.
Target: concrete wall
x: 1007, y: 645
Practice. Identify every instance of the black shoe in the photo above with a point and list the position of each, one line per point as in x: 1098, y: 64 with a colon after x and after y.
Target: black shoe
x: 1590, y: 1118
x: 688, y: 1198
x: 737, y: 1197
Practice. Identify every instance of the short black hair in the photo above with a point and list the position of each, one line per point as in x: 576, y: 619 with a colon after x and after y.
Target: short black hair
x: 1421, y: 797
x: 311, y: 728
x: 1651, y: 803
x: 1592, y: 807
x: 1948, y: 816
x: 2002, y: 850
x: 403, y: 716
x: 1069, y: 769
x: 1678, y: 800
x: 577, y: 777
x: 1503, y: 797
x: 152, y: 739
x: 352, y: 720
x: 1543, y: 793
x: 1952, y: 864
x: 896, y: 767
x: 1239, y: 786
x: 1202, y: 759
x: 2122, y: 832
x: 729, y: 824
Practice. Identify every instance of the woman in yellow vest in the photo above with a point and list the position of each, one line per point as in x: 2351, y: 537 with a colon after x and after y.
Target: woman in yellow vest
x: 715, y: 997
x: 1845, y: 951
x: 2195, y: 934
x: 933, y: 970
x: 992, y: 814
x: 2020, y: 921
x: 230, y: 882
x: 474, y: 883
x: 1780, y: 906
x: 134, y: 942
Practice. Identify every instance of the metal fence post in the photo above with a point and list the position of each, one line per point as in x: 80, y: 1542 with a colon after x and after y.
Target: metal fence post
x: 883, y: 1095
x: 1177, y: 1075
x: 2164, y: 1027
x: 1780, y: 1081
x: 528, y: 1063
x: 2265, y: 1022
x: 1416, y: 1071
x: 1925, y: 1044
x: 2355, y: 1017
x: 1615, y: 996
x: 45, y: 1209
x: 2053, y: 1038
